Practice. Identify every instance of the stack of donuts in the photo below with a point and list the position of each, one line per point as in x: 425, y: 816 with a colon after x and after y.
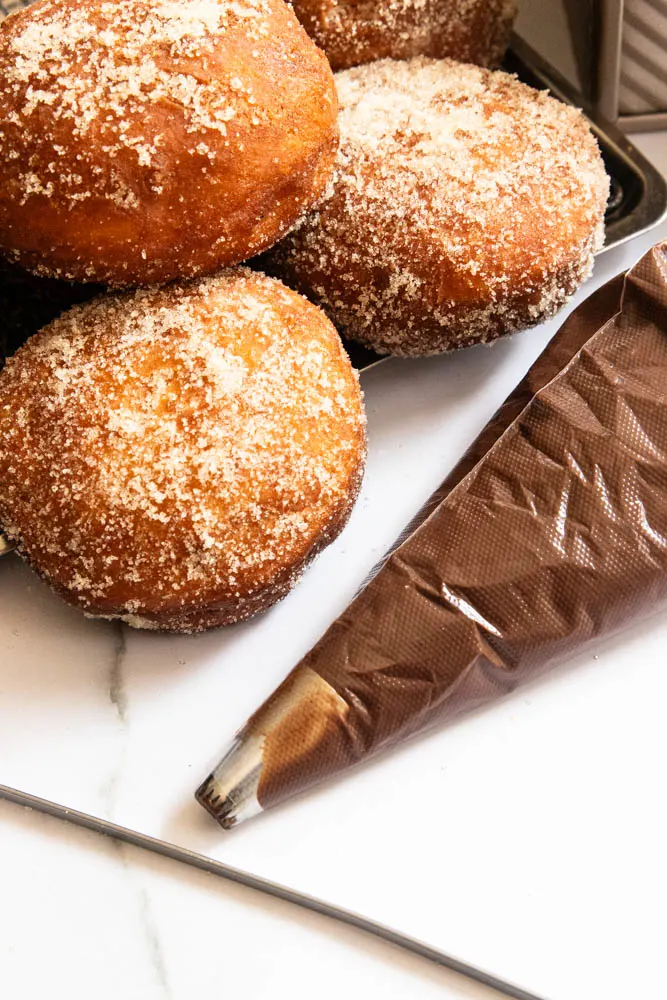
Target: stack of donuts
x: 175, y: 451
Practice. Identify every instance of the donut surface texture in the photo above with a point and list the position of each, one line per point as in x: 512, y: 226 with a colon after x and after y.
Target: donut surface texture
x: 175, y: 457
x: 352, y: 32
x: 465, y: 206
x: 145, y: 141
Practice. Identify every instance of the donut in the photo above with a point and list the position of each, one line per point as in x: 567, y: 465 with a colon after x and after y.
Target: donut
x: 149, y: 140
x: 352, y: 32
x: 465, y: 206
x: 174, y: 457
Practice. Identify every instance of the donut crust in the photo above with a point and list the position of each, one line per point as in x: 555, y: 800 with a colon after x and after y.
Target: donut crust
x: 175, y: 457
x: 465, y: 206
x: 352, y: 32
x: 146, y: 141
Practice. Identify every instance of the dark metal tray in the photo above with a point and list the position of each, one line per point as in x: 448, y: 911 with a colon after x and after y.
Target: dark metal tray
x: 638, y: 202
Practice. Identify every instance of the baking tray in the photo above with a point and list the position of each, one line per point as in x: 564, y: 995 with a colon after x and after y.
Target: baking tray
x: 638, y: 201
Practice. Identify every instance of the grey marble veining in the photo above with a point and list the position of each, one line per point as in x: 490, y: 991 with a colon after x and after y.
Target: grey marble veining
x: 154, y: 944
x: 117, y: 694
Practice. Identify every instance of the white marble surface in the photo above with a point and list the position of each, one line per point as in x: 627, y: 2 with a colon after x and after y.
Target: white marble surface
x: 524, y: 839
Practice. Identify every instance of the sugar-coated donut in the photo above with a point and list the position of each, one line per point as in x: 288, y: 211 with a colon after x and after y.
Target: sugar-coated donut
x: 148, y: 140
x: 360, y: 31
x: 174, y: 457
x: 465, y: 206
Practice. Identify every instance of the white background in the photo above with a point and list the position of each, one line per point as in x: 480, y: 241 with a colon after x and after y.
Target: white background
x: 528, y: 839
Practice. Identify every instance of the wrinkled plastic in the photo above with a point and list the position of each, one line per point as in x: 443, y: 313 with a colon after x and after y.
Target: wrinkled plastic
x: 551, y: 532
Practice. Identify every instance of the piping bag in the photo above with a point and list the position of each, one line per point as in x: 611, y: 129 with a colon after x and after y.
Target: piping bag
x: 550, y: 532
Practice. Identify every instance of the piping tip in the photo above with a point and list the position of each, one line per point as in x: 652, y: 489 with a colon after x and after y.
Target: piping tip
x: 229, y: 793
x: 284, y: 748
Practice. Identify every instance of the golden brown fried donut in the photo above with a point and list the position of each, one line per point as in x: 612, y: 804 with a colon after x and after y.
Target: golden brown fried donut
x: 153, y: 139
x: 175, y: 457
x: 465, y: 206
x: 360, y: 31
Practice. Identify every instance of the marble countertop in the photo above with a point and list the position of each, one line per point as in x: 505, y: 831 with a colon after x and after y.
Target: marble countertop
x: 124, y: 725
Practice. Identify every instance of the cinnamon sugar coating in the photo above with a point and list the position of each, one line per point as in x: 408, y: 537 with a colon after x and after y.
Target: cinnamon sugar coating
x: 352, y: 32
x: 175, y: 457
x: 465, y: 205
x: 148, y: 140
